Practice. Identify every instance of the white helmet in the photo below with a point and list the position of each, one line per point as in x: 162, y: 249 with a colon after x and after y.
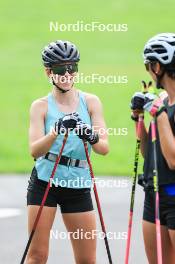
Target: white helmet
x: 160, y: 48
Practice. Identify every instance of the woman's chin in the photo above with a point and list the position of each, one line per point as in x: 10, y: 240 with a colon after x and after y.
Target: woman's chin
x: 65, y: 87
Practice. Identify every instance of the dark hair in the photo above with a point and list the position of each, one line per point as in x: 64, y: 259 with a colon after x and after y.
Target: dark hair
x: 170, y: 70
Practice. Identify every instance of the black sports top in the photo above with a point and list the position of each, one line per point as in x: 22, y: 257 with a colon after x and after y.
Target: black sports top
x: 165, y: 174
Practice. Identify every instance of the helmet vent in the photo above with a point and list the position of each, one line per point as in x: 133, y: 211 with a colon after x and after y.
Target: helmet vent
x: 165, y: 57
x: 60, y: 52
x: 172, y: 43
x: 159, y: 49
x: 71, y: 50
x: 65, y: 44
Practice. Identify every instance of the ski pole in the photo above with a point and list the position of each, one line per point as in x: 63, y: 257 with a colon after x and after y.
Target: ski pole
x: 139, y: 125
x: 136, y: 161
x: 43, y: 201
x: 98, y: 204
x: 156, y: 190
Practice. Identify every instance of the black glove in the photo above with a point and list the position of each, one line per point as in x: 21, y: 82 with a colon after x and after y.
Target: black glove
x: 85, y: 132
x: 68, y: 122
x: 137, y: 105
x: 137, y: 101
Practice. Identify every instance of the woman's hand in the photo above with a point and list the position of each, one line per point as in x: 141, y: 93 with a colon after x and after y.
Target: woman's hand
x: 67, y: 123
x: 98, y: 124
x: 85, y: 132
x: 154, y: 107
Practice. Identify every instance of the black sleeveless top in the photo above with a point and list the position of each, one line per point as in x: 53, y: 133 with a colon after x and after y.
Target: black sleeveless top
x: 165, y: 174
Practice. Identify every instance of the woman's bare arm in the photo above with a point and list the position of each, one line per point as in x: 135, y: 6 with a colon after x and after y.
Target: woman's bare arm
x: 167, y: 139
x: 98, y: 123
x: 39, y: 142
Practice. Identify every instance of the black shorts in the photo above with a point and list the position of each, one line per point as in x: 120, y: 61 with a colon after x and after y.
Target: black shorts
x: 70, y: 200
x: 167, y: 208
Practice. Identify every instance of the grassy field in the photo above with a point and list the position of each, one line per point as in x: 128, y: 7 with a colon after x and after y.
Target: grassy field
x: 25, y: 31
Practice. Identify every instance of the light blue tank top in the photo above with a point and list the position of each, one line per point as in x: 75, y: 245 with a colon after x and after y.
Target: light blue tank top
x: 66, y: 176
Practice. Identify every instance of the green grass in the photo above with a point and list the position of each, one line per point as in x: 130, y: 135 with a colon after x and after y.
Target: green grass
x: 25, y: 30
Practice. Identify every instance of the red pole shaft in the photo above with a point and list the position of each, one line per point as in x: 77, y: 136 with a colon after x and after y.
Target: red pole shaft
x: 98, y: 204
x: 43, y: 201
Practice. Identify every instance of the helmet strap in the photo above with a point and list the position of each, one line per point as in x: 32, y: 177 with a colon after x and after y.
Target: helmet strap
x: 59, y: 88
x: 51, y: 80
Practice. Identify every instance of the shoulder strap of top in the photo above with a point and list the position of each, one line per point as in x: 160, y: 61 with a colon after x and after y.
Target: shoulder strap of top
x: 49, y: 98
x: 165, y: 101
x: 83, y: 99
x: 51, y: 103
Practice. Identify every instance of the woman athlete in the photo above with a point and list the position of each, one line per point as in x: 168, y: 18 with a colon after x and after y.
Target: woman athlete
x: 78, y: 112
x: 159, y: 59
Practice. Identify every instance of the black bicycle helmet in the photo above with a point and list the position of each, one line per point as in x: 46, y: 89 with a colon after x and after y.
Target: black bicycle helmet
x: 59, y: 52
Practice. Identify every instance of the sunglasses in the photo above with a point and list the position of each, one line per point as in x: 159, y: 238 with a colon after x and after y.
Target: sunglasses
x: 147, y: 66
x: 62, y: 69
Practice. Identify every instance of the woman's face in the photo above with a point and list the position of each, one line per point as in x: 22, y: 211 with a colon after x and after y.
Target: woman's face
x: 63, y: 75
x: 156, y: 68
x: 65, y: 81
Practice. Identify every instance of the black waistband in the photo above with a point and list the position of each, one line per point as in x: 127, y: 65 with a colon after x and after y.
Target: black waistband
x: 67, y: 161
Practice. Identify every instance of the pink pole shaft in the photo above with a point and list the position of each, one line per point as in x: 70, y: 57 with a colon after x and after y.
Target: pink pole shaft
x: 156, y: 189
x: 129, y: 237
x: 158, y: 231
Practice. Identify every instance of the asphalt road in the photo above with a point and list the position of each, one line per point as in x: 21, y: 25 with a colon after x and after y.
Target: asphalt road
x: 115, y: 206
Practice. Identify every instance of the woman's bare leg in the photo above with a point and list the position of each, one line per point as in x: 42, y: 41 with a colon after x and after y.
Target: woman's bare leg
x: 39, y: 248
x: 84, y: 249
